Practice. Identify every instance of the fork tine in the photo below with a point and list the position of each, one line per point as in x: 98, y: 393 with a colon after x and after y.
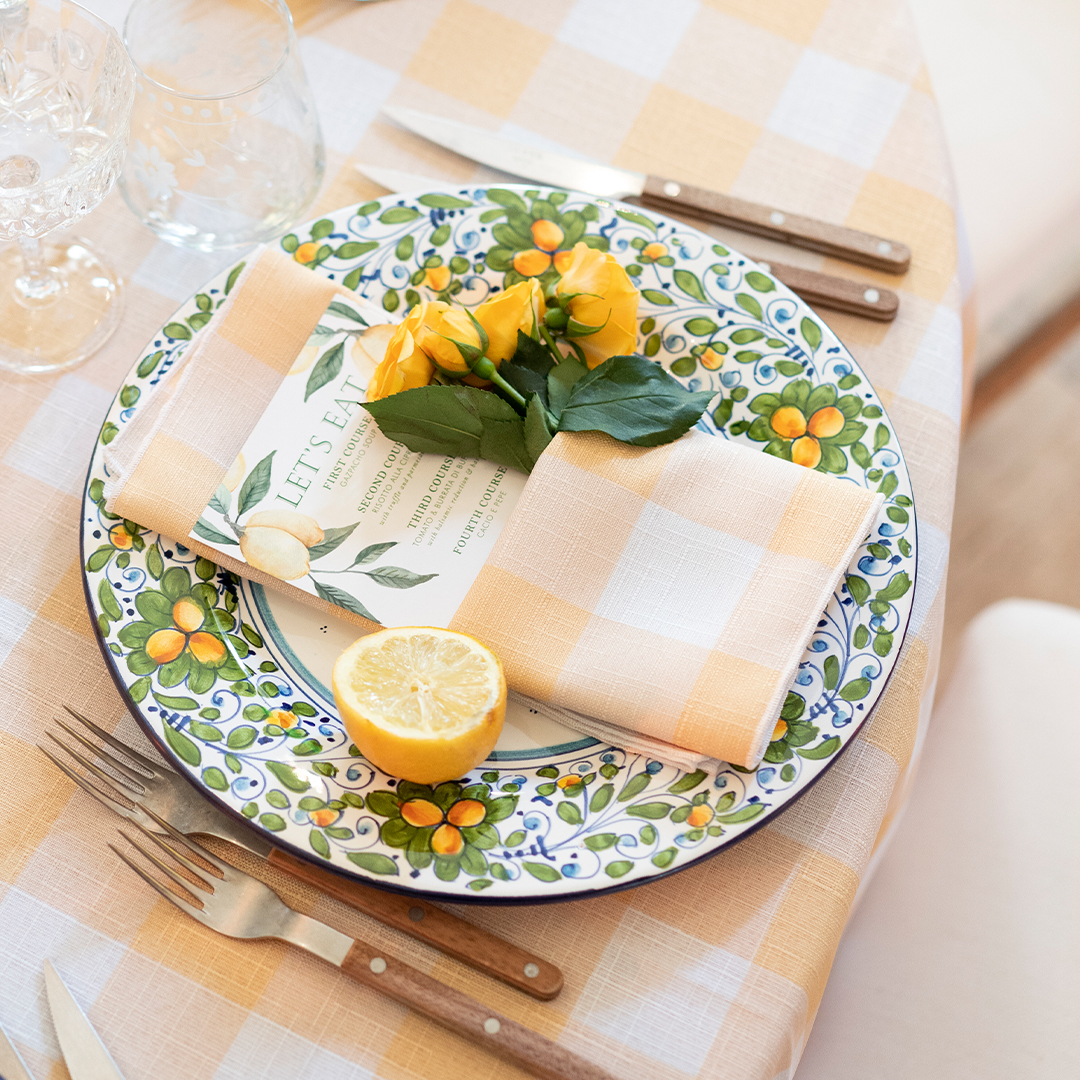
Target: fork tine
x: 160, y: 863
x: 153, y: 882
x: 112, y: 804
x: 102, y: 752
x: 181, y: 857
x: 117, y: 744
x: 117, y: 785
x: 199, y: 850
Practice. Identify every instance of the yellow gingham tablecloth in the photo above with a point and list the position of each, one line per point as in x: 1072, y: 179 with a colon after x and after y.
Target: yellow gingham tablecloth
x: 818, y: 106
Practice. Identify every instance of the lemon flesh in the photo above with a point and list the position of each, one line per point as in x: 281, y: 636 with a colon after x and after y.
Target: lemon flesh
x: 422, y: 703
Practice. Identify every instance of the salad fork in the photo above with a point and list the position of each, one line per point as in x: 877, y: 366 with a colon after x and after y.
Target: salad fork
x: 159, y: 793
x: 240, y: 906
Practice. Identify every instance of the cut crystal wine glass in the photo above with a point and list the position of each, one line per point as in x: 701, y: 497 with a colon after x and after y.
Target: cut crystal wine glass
x: 66, y: 89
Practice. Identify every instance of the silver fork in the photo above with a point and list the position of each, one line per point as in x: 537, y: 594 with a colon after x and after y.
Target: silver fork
x: 240, y: 906
x: 158, y: 793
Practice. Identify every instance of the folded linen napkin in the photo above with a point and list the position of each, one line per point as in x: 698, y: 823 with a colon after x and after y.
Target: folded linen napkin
x: 655, y: 597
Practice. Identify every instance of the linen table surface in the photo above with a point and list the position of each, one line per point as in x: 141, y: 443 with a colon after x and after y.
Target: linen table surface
x: 820, y: 107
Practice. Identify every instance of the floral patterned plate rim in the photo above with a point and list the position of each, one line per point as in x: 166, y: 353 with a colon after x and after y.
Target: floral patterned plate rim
x: 237, y: 710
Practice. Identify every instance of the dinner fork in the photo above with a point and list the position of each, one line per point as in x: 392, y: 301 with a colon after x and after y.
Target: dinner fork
x: 240, y: 906
x: 165, y: 794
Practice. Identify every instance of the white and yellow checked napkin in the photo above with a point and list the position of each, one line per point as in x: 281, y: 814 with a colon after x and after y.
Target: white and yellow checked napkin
x: 663, y: 593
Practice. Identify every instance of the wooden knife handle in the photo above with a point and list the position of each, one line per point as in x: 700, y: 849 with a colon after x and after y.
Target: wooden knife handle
x: 426, y: 922
x: 838, y: 240
x: 468, y: 1017
x: 837, y: 294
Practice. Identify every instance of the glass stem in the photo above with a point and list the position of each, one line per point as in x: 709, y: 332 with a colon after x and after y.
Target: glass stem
x: 36, y: 283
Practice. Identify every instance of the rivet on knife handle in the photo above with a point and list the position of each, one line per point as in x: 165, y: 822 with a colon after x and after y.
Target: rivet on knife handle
x: 838, y: 240
x: 447, y: 933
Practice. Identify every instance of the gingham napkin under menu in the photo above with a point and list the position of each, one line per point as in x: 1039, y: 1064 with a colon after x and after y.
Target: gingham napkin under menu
x: 665, y: 593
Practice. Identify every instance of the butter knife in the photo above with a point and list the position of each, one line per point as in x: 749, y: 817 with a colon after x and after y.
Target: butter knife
x: 819, y: 290
x: 560, y: 170
x: 12, y: 1066
x: 84, y: 1053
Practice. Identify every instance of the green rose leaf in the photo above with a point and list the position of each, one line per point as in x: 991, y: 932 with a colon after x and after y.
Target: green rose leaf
x: 618, y: 869
x: 569, y: 812
x: 448, y: 420
x: 633, y: 400
x: 651, y: 810
x: 561, y: 380
x: 177, y: 331
x: 601, y: 797
x: 759, y: 282
x: 273, y: 822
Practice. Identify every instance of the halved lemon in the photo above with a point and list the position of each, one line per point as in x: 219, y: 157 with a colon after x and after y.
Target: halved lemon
x: 422, y: 703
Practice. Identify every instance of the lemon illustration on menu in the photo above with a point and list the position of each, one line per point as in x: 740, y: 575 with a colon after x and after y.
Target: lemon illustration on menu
x: 422, y: 703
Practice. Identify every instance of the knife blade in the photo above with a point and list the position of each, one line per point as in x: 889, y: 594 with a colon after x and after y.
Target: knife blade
x: 84, y: 1052
x: 604, y: 181
x: 819, y: 290
x: 12, y: 1066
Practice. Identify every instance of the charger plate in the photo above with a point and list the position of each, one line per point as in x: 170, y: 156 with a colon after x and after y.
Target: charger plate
x: 564, y: 816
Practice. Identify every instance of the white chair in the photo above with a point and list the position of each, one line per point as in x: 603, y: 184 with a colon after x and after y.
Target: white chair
x: 962, y: 961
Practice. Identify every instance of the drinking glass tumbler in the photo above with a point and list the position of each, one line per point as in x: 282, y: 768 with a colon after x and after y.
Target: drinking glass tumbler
x: 226, y: 149
x: 66, y: 87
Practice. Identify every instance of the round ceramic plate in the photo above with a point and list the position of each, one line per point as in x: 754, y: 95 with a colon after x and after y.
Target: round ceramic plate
x: 564, y: 816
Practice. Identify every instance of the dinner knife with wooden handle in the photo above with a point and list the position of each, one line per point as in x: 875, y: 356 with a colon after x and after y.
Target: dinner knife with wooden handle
x: 818, y: 290
x: 604, y: 181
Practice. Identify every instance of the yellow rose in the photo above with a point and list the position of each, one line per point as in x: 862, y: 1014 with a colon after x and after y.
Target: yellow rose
x: 521, y: 307
x: 609, y: 300
x: 405, y: 365
x: 443, y: 329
